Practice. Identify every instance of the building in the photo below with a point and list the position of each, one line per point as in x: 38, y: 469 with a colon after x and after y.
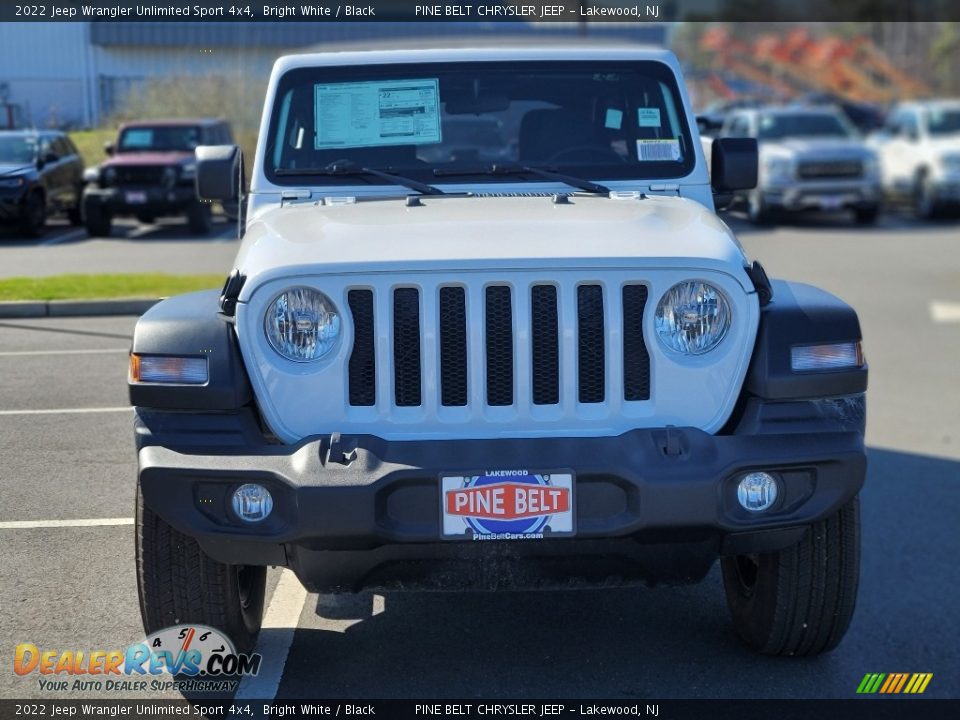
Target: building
x: 74, y: 75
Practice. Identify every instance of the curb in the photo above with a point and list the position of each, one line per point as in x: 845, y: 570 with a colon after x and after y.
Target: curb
x: 74, y: 308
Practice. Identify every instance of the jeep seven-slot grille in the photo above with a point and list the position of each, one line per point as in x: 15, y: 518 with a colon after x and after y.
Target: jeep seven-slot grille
x: 136, y: 175
x: 493, y: 351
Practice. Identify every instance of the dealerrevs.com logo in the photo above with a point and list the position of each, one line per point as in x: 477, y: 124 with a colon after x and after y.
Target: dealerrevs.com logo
x: 201, y: 659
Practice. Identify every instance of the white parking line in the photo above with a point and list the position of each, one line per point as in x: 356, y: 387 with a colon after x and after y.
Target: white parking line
x: 67, y: 411
x: 276, y: 637
x: 945, y: 312
x: 66, y: 237
x: 92, y: 522
x: 26, y: 353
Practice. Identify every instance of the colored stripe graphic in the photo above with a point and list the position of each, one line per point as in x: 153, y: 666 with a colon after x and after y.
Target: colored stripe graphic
x: 894, y: 683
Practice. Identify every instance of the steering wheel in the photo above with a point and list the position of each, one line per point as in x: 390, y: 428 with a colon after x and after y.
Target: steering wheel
x: 587, y: 152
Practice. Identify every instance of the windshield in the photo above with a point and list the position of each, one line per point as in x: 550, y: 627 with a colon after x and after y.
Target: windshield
x: 782, y: 126
x: 162, y: 138
x: 943, y: 122
x: 589, y: 119
x: 17, y: 149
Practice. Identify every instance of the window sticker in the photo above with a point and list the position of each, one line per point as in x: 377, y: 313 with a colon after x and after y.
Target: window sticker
x: 376, y: 113
x: 658, y: 150
x: 614, y: 119
x: 648, y: 117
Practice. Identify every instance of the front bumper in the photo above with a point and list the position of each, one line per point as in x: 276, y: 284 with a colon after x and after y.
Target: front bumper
x: 823, y: 195
x: 362, y: 512
x: 141, y: 200
x: 11, y: 207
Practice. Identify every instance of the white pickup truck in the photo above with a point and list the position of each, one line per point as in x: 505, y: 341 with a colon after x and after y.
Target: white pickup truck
x: 919, y: 151
x: 528, y: 357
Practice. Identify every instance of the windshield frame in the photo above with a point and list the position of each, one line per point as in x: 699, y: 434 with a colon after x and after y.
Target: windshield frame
x: 655, y: 69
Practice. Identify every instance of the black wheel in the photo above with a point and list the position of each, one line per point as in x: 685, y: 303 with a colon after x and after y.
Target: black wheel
x: 199, y: 218
x: 866, y: 215
x: 34, y: 218
x: 758, y: 212
x: 798, y: 601
x: 97, y: 221
x: 925, y: 206
x: 178, y: 583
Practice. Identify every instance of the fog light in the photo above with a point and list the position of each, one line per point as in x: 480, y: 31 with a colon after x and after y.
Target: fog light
x: 757, y: 491
x: 252, y: 503
x: 836, y: 356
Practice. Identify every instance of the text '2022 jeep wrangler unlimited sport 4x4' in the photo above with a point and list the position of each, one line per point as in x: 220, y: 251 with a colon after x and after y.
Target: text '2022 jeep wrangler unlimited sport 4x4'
x: 544, y: 340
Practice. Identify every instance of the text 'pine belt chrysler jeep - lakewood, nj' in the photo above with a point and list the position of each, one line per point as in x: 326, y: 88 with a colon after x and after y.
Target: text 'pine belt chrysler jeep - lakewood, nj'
x: 541, y: 338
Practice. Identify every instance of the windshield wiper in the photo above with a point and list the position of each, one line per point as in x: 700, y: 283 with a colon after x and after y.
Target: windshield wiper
x: 579, y: 183
x: 347, y: 167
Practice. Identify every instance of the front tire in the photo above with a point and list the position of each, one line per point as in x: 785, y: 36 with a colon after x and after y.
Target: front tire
x: 866, y: 215
x: 199, y: 218
x: 97, y: 221
x: 758, y: 212
x: 180, y: 584
x: 798, y: 601
x: 34, y: 220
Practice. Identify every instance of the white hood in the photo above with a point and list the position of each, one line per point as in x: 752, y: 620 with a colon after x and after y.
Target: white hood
x: 461, y: 233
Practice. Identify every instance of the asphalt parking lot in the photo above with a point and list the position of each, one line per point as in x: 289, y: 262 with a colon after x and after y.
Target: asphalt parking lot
x: 164, y: 246
x: 66, y: 454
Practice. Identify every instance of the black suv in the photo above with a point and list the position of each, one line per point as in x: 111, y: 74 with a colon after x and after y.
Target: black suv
x: 150, y: 174
x: 41, y: 173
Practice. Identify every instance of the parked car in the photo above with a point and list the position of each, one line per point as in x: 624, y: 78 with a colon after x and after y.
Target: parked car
x: 150, y: 174
x: 919, y: 151
x: 41, y: 173
x: 810, y: 159
x: 565, y: 356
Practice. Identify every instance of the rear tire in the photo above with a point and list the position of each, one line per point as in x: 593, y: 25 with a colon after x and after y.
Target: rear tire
x: 97, y: 221
x: 798, y: 601
x: 180, y: 584
x: 199, y: 218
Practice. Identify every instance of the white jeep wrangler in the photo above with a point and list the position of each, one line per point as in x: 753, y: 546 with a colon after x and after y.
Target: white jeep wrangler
x: 484, y: 296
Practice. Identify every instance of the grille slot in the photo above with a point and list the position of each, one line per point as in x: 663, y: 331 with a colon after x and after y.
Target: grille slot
x: 829, y: 169
x: 362, y: 369
x: 406, y: 347
x: 545, y: 345
x: 453, y: 346
x: 499, y: 338
x: 636, y: 359
x: 590, y: 344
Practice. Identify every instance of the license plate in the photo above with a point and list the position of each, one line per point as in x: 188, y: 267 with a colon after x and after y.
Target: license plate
x: 136, y: 197
x: 831, y: 202
x: 507, y: 505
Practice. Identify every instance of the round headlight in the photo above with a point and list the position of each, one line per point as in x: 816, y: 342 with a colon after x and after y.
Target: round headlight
x: 692, y: 317
x: 108, y: 176
x: 302, y: 324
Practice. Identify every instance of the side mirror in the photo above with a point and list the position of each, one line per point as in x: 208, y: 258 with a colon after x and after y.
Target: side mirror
x: 219, y: 172
x: 733, y: 164
x: 109, y: 148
